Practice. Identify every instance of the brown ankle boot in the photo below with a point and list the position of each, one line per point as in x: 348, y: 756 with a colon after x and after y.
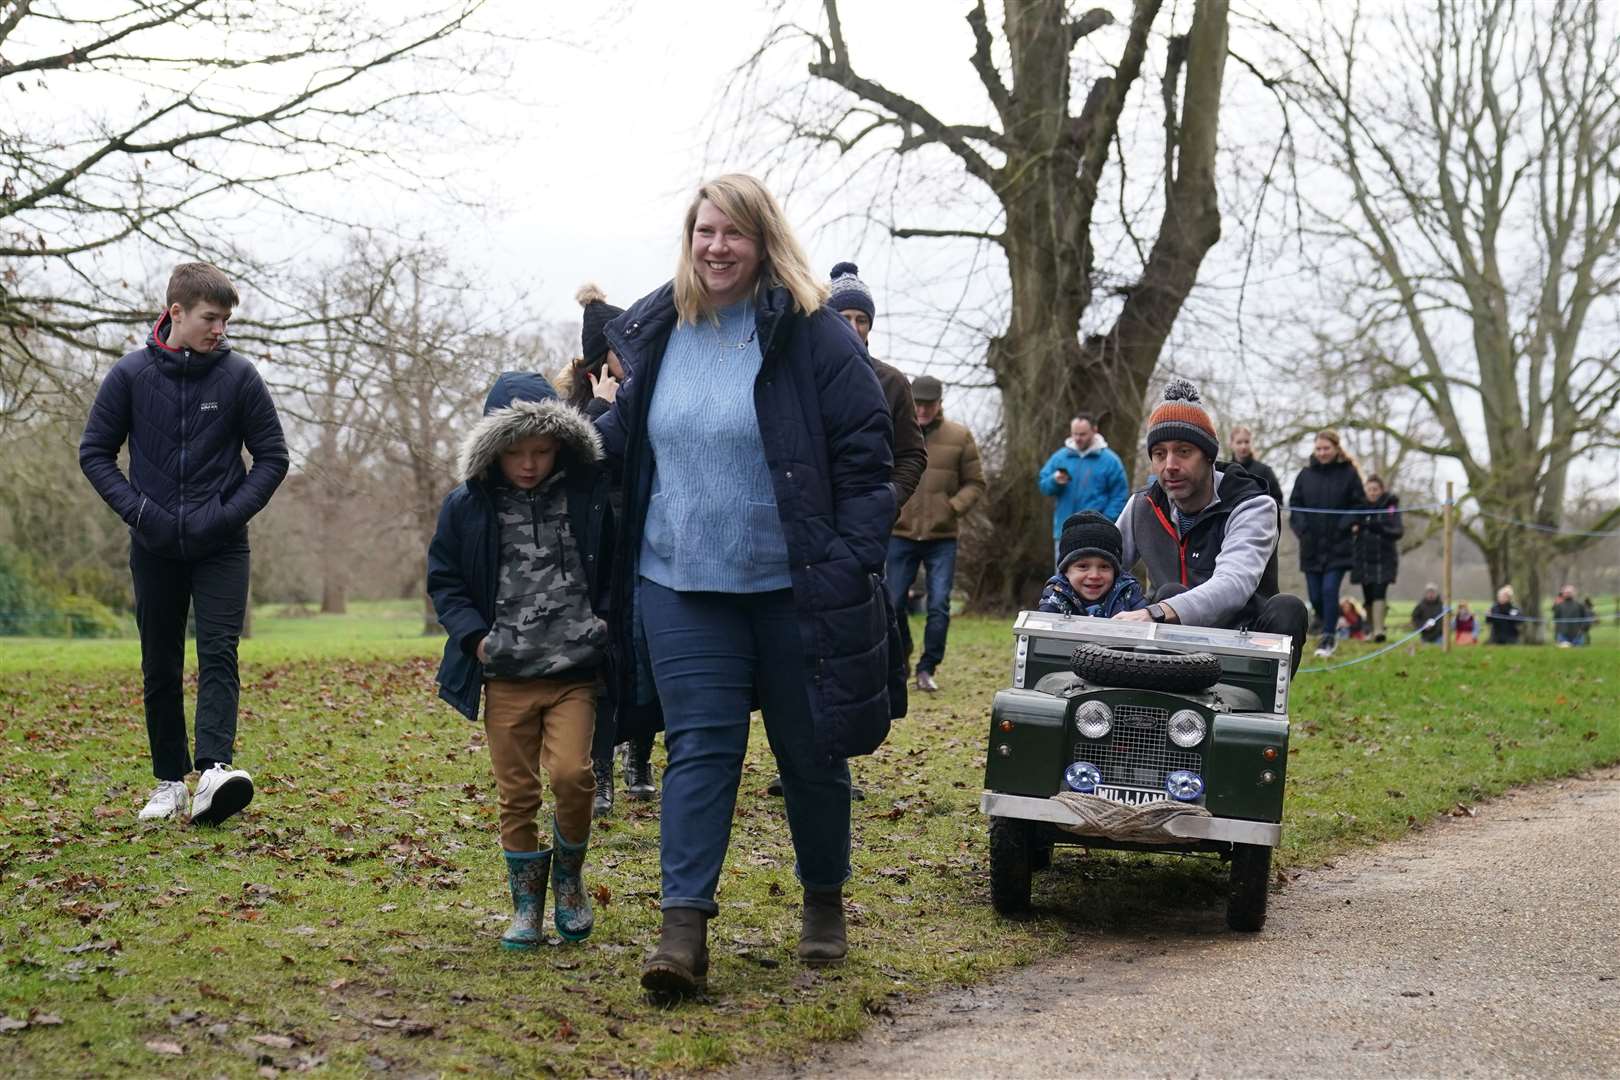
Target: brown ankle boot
x: 680, y: 966
x: 822, y: 937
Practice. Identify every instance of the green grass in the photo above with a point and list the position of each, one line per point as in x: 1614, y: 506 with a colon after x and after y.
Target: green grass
x: 350, y: 916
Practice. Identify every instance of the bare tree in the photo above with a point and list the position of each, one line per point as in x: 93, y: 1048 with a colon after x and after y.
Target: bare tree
x: 194, y: 112
x: 1477, y: 142
x: 1044, y: 160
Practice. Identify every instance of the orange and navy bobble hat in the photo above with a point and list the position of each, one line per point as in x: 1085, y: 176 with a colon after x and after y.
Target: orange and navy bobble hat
x: 1182, y: 415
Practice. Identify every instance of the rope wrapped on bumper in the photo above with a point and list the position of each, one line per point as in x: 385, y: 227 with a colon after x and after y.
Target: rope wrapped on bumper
x: 1144, y: 824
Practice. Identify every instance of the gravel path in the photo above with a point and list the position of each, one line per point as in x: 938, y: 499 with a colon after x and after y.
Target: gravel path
x: 1485, y: 946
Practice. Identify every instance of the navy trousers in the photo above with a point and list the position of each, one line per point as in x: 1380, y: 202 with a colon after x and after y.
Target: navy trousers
x: 713, y: 656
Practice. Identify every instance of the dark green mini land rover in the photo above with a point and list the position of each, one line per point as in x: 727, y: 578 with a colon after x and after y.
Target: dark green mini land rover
x: 1141, y: 737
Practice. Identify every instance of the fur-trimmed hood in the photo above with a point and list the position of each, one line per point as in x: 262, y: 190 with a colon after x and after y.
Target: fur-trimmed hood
x: 521, y: 405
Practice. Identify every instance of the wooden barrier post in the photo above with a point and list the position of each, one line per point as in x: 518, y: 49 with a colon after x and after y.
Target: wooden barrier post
x: 1449, y: 620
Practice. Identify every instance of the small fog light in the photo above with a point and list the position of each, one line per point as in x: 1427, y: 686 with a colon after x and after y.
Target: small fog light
x: 1267, y: 777
x: 1083, y: 777
x: 1184, y: 786
x: 1007, y: 725
x: 1004, y: 750
x: 1269, y: 753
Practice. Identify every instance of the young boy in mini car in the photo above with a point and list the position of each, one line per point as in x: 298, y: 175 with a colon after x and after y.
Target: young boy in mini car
x: 1089, y: 578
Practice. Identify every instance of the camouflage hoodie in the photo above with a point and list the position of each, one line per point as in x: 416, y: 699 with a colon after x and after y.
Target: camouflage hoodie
x: 543, y: 624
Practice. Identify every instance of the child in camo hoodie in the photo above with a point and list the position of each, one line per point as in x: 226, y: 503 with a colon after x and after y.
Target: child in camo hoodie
x: 517, y: 572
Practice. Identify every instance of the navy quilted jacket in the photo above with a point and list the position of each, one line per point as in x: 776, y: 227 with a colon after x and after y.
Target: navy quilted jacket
x: 828, y: 442
x: 187, y: 417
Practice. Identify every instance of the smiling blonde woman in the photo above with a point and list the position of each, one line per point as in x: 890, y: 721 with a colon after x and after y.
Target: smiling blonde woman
x: 756, y: 449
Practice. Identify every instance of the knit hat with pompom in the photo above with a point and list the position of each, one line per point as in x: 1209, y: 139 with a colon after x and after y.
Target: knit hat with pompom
x: 593, y: 342
x: 849, y: 292
x: 1182, y: 415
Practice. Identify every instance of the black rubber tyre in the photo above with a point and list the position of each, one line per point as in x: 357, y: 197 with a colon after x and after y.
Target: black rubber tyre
x: 1040, y: 855
x: 1248, y: 887
x: 1011, y: 844
x: 1176, y: 672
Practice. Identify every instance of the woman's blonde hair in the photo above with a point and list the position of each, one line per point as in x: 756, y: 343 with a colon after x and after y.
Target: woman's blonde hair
x: 757, y: 214
x: 1340, y: 453
x: 1504, y: 595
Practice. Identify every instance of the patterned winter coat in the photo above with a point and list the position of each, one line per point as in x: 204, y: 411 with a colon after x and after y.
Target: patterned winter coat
x: 514, y: 566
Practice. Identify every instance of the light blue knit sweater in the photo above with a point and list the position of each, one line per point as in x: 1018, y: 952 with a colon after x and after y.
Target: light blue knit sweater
x: 712, y: 525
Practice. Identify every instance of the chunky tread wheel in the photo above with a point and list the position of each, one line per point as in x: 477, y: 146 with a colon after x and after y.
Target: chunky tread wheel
x: 1248, y: 887
x: 1175, y: 672
x: 1011, y: 846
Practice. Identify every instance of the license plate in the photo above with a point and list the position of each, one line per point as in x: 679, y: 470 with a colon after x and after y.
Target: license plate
x: 1130, y: 796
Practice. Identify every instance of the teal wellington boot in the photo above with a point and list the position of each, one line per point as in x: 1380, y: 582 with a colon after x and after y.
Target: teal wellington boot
x: 526, y: 871
x: 571, y: 904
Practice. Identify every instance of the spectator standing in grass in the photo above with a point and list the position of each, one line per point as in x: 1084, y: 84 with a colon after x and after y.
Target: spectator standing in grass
x: 1328, y: 486
x: 1376, y: 539
x: 1503, y: 618
x: 925, y: 534
x: 1467, y: 630
x: 1242, y: 442
x: 852, y: 299
x: 1426, y: 614
x: 1569, y: 619
x: 188, y: 405
x: 1082, y: 474
x: 516, y: 571
x: 756, y: 446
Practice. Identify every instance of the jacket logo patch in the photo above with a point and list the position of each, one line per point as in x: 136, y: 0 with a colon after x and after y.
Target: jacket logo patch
x: 209, y: 406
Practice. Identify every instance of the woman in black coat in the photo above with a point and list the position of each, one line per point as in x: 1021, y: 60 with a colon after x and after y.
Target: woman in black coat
x: 1376, y: 538
x: 755, y: 447
x: 1329, y: 482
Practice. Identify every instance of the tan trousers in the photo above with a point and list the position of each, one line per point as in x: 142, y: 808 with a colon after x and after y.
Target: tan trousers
x: 534, y: 724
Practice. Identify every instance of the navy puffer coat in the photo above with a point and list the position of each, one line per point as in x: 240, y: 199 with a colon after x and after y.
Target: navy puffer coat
x: 187, y: 417
x: 828, y: 443
x: 1325, y: 540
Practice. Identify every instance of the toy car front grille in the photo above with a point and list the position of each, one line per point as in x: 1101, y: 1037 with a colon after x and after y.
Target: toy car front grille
x: 1137, y: 753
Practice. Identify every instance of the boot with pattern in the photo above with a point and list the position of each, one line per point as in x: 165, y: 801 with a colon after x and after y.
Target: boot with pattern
x: 526, y: 872
x: 571, y: 904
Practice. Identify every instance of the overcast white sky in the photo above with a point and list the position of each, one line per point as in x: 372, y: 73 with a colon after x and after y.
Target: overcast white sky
x: 615, y: 110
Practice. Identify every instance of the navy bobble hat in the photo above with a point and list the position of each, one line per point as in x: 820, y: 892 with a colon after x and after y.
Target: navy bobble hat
x: 598, y: 313
x: 849, y: 292
x: 1090, y: 533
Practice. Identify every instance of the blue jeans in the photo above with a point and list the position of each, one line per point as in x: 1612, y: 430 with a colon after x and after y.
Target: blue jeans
x: 1324, y: 592
x: 940, y: 558
x: 713, y: 655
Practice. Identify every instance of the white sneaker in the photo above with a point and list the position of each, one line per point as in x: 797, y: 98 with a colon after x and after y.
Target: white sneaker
x: 169, y: 799
x: 221, y: 792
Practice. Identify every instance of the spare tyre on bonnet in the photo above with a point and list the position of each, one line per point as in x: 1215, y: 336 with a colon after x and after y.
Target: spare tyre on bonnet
x: 1138, y: 736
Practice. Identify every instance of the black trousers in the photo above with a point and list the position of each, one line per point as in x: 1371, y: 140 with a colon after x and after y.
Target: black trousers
x: 216, y: 588
x: 1283, y: 613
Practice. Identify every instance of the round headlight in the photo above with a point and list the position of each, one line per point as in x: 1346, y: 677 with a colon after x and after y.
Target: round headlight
x: 1094, y: 719
x: 1082, y: 776
x: 1187, y: 728
x: 1184, y: 786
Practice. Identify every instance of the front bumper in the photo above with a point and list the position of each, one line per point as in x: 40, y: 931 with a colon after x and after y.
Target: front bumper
x: 1229, y: 830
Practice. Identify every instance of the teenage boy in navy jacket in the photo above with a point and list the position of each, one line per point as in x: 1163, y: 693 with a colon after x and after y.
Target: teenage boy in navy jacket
x: 187, y: 405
